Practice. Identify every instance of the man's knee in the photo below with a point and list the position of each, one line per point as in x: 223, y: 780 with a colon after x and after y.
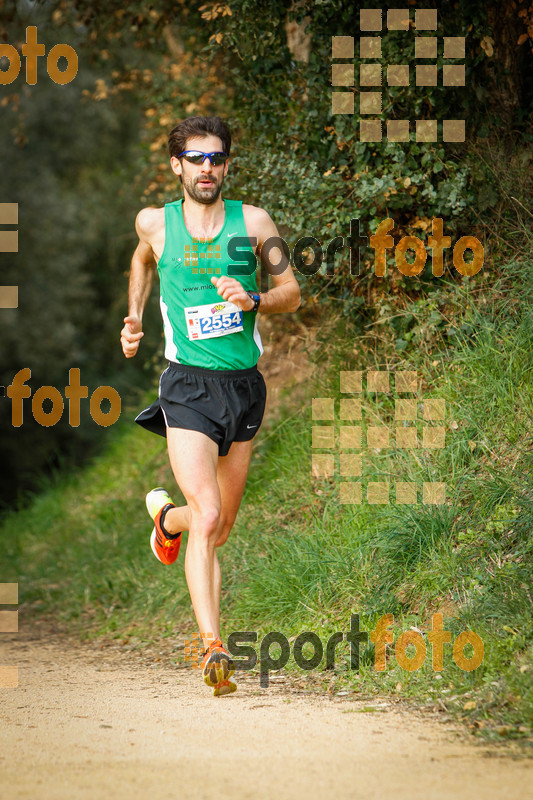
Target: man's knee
x: 205, y: 520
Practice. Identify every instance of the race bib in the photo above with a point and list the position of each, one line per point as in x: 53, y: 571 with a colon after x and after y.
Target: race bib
x: 213, y: 319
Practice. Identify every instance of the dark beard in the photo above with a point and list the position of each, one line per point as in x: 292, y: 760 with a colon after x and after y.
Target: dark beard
x: 205, y: 196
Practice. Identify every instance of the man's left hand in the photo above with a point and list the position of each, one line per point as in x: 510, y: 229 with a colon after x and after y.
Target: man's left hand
x: 231, y: 290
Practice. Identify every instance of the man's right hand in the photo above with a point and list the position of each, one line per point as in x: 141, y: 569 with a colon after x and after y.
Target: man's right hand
x: 130, y: 335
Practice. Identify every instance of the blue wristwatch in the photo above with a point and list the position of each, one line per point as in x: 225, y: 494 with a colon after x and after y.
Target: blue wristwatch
x: 256, y: 298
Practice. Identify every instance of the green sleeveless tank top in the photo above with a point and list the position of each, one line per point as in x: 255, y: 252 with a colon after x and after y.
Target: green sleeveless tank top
x: 201, y: 328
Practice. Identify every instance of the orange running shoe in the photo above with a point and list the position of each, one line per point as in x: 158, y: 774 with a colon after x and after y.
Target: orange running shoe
x: 217, y: 669
x: 165, y: 547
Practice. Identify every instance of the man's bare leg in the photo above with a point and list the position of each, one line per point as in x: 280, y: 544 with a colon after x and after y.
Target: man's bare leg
x: 193, y: 458
x: 177, y: 519
x: 232, y: 472
x: 205, y: 491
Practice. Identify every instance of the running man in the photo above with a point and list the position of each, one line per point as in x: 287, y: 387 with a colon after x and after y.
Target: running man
x: 211, y: 396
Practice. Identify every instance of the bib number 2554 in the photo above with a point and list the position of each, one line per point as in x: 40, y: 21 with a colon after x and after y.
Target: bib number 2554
x: 208, y: 321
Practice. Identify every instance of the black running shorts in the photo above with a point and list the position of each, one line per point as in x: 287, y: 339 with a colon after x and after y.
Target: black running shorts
x: 226, y: 405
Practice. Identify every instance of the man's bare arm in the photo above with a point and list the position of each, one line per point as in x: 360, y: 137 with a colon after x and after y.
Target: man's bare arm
x: 285, y: 294
x: 140, y: 286
x: 141, y: 279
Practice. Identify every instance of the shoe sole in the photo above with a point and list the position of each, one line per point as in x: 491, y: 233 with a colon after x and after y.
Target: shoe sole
x: 152, y: 545
x: 226, y: 687
x: 219, y: 672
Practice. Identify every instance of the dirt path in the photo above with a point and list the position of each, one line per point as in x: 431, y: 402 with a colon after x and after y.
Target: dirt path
x: 92, y: 723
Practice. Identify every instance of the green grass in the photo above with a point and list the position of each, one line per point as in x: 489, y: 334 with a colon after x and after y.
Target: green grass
x: 299, y: 560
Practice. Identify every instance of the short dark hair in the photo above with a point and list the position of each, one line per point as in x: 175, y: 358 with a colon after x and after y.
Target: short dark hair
x: 198, y: 126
